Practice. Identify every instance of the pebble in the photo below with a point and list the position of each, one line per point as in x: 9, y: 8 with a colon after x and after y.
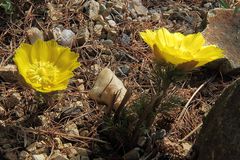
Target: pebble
x: 34, y: 34
x: 39, y: 156
x: 112, y: 23
x: 94, y: 8
x: 83, y: 35
x: 132, y: 154
x: 155, y: 16
x: 67, y: 37
x: 208, y: 5
x: 9, y: 73
x: 107, y: 42
x: 24, y: 155
x: 72, y: 129
x: 139, y: 8
x: 2, y: 111
x: 123, y: 70
x: 98, y: 29
x: 125, y: 39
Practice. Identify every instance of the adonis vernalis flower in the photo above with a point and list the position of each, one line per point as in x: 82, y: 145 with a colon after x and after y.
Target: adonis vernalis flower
x: 45, y: 65
x: 185, y: 52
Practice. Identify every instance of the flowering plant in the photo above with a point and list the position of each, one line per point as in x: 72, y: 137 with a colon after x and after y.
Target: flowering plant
x: 184, y: 52
x: 45, y: 65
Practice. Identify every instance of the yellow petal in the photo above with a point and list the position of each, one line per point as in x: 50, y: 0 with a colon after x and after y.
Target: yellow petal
x: 192, y: 42
x: 208, y: 54
x: 22, y: 58
x: 149, y: 37
x: 169, y: 55
x: 67, y: 60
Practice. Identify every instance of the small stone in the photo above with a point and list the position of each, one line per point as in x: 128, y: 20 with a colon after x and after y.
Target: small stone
x: 9, y: 73
x: 139, y: 8
x: 106, y: 87
x: 132, y: 154
x: 83, y: 35
x: 155, y: 16
x: 2, y: 111
x: 208, y: 5
x: 59, y: 156
x: 67, y: 145
x: 67, y: 38
x: 123, y: 70
x: 107, y: 42
x: 84, y: 133
x: 58, y: 143
x: 53, y: 12
x: 112, y: 23
x: 39, y: 156
x: 82, y: 151
x: 32, y: 147
x: 186, y: 147
x: 94, y: 8
x: 109, y: 17
x: 72, y: 152
x: 23, y: 155
x: 72, y: 129
x: 98, y: 29
x: 125, y: 39
x: 142, y: 141
x: 34, y: 34
x: 44, y: 120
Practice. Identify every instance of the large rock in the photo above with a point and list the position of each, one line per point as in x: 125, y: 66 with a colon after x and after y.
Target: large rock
x: 219, y: 138
x: 223, y: 30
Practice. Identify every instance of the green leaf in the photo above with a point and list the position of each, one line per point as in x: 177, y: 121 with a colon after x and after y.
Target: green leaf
x: 224, y: 4
x: 236, y: 10
x: 7, y: 6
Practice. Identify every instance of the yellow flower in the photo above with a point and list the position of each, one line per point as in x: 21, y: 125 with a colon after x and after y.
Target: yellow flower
x: 185, y: 52
x: 46, y: 66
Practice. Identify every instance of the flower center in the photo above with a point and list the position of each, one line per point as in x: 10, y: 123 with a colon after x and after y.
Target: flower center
x: 42, y: 74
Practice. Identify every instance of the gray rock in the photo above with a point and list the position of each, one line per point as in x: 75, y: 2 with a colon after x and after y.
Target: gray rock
x: 94, y: 8
x: 83, y: 35
x: 223, y: 30
x: 219, y: 137
x: 72, y: 129
x: 24, y: 155
x: 123, y: 70
x: 2, y: 111
x: 132, y: 154
x: 139, y: 8
x: 67, y: 37
x: 112, y: 23
x: 39, y: 156
x: 58, y: 156
x: 208, y: 5
x: 125, y: 39
x: 82, y: 151
x: 9, y: 73
x: 155, y: 16
x: 98, y: 29
x: 107, y: 42
x: 34, y: 34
